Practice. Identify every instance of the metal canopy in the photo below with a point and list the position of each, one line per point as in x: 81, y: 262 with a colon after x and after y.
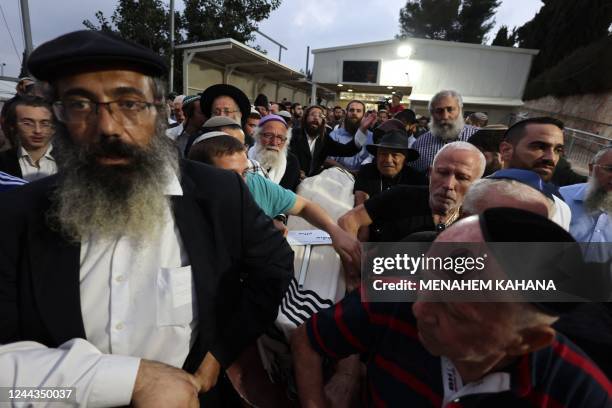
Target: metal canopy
x: 368, y: 88
x: 233, y: 55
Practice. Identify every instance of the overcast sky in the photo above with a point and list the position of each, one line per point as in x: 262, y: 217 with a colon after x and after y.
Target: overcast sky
x: 295, y: 24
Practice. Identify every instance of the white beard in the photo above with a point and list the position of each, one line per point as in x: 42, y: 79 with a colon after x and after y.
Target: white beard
x: 597, y: 199
x: 274, y: 162
x: 448, y: 131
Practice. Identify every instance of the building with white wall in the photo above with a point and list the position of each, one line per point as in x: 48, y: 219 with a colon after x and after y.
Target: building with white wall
x: 491, y: 79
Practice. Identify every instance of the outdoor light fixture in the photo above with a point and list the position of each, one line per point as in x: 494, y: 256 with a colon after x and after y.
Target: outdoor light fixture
x: 350, y: 90
x: 404, y: 51
x: 389, y: 87
x: 340, y: 85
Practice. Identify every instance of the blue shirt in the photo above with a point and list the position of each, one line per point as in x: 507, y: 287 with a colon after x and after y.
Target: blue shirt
x: 428, y: 145
x: 271, y: 198
x: 588, y: 227
x: 352, y: 163
x: 8, y: 182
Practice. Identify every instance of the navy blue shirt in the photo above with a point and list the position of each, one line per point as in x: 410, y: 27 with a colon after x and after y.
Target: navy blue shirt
x: 402, y: 373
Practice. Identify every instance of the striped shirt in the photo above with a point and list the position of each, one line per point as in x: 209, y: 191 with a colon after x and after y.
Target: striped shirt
x: 428, y: 145
x: 8, y: 182
x: 401, y: 373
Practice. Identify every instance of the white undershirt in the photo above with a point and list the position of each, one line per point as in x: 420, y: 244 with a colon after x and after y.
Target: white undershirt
x: 30, y: 170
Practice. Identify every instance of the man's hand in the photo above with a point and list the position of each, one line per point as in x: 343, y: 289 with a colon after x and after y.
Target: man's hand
x: 281, y: 227
x: 208, y: 372
x: 347, y: 246
x: 368, y: 121
x: 160, y: 385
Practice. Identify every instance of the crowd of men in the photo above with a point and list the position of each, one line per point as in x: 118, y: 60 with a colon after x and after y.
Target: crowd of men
x: 144, y: 251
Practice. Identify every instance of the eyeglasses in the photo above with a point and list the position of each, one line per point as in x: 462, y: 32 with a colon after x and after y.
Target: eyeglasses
x: 272, y: 136
x: 224, y: 112
x: 45, y: 125
x: 126, y: 112
x: 449, y: 109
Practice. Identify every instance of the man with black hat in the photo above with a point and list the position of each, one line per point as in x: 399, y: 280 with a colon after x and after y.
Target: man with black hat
x: 389, y: 169
x: 262, y: 105
x: 129, y: 263
x: 226, y: 100
x: 465, y: 353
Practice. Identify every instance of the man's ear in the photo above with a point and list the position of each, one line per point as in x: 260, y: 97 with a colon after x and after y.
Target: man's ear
x: 506, y: 150
x: 532, y: 339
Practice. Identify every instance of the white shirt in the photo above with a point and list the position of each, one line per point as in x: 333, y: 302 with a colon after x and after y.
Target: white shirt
x: 137, y: 302
x: 30, y: 170
x: 563, y: 214
x: 311, y: 142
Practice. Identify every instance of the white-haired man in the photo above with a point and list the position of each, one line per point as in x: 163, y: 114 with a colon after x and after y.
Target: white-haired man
x: 271, y: 151
x: 446, y: 125
x: 591, y: 203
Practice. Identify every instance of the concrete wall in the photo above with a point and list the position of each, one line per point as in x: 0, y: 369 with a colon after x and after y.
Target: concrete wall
x: 473, y: 70
x: 202, y: 74
x: 591, y: 112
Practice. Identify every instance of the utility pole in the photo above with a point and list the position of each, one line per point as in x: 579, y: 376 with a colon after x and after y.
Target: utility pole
x: 307, y: 56
x: 171, y: 79
x: 27, y: 30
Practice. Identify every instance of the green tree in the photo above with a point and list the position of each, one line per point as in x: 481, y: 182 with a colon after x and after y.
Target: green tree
x: 475, y: 20
x: 432, y: 19
x: 212, y: 19
x: 560, y: 27
x: 504, y: 38
x: 450, y: 20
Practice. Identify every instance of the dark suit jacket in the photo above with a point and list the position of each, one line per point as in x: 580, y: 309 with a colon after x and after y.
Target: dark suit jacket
x: 291, y: 178
x: 312, y: 164
x: 241, y: 265
x: 9, y: 162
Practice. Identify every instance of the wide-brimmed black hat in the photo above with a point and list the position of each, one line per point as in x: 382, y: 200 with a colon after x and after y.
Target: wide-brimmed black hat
x: 396, y: 140
x: 82, y: 50
x: 214, y: 91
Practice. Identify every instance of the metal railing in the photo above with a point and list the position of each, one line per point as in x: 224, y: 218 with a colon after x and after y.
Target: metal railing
x: 580, y: 146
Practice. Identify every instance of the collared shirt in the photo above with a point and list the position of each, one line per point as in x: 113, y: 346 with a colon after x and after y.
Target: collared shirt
x: 30, y: 170
x: 312, y: 141
x: 563, y: 214
x: 428, y: 145
x: 8, y: 182
x: 343, y: 136
x: 585, y: 226
x: 137, y: 301
x: 402, y: 373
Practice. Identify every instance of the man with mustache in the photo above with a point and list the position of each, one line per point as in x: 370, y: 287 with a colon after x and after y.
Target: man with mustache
x: 311, y: 142
x: 537, y: 144
x: 130, y: 275
x: 271, y: 150
x: 591, y: 204
x: 446, y: 125
x: 356, y: 122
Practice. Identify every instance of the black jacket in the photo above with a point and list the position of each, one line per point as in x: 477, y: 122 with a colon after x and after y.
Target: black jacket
x: 241, y: 265
x: 9, y: 162
x: 312, y: 164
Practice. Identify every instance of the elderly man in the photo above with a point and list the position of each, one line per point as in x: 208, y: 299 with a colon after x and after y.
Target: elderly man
x: 446, y: 125
x: 355, y: 122
x: 445, y: 354
x: 390, y: 168
x: 591, y: 204
x: 537, y: 144
x: 311, y: 142
x: 226, y: 100
x: 139, y: 263
x: 271, y: 150
x: 478, y: 119
x: 31, y: 128
x: 409, y: 209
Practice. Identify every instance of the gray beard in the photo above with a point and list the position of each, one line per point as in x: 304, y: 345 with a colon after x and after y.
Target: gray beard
x: 112, y: 201
x: 449, y: 131
x: 269, y: 159
x: 597, y: 199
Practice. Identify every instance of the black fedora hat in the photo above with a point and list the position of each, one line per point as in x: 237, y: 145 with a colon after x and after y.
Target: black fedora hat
x: 214, y: 91
x: 395, y: 140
